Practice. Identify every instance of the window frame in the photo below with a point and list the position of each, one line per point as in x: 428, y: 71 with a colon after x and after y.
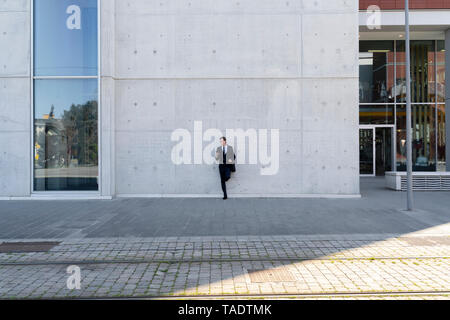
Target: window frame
x: 397, y: 104
x: 95, y: 193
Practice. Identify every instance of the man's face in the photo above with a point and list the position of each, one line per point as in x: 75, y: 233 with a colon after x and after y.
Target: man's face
x: 223, y: 142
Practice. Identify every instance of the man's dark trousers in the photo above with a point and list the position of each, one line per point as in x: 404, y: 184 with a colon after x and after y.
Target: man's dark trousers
x: 225, y: 171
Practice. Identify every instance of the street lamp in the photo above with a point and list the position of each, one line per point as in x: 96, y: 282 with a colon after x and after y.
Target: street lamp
x: 409, y: 177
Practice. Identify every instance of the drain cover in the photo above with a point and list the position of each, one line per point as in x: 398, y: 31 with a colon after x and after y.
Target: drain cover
x: 416, y: 241
x: 426, y: 241
x: 270, y: 275
x: 10, y: 247
x: 444, y: 240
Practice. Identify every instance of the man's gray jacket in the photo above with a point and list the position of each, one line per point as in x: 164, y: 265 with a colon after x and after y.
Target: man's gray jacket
x: 230, y: 158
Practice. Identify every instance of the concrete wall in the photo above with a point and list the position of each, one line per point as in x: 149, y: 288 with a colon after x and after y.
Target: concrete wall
x: 15, y: 111
x: 107, y: 98
x: 262, y: 64
x: 251, y: 64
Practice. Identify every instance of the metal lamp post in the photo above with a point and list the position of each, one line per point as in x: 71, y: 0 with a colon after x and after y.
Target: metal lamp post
x: 409, y: 204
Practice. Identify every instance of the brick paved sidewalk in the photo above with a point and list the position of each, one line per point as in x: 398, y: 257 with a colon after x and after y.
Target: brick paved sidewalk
x: 285, y: 266
x: 287, y: 248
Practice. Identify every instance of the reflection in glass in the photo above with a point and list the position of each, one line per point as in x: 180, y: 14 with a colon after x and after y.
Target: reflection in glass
x: 376, y: 114
x: 376, y: 71
x: 424, y: 138
x: 366, y: 140
x: 427, y: 93
x: 65, y: 38
x: 422, y: 71
x: 383, y: 150
x: 440, y: 61
x: 441, y: 137
x: 66, y: 135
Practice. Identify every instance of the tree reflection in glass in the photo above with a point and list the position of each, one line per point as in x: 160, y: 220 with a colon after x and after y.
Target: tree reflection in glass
x: 66, y: 135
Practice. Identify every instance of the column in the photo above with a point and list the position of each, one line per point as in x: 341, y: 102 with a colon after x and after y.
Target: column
x: 447, y: 99
x: 15, y: 99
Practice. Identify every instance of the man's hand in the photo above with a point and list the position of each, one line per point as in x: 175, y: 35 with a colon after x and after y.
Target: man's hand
x: 217, y: 155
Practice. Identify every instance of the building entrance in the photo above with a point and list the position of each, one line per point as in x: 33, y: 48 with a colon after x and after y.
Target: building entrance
x: 376, y: 153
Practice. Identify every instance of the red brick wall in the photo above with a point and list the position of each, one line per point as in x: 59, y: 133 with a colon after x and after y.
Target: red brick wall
x: 399, y: 4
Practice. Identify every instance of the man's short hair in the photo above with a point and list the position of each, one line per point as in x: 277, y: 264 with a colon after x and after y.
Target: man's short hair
x: 224, y: 138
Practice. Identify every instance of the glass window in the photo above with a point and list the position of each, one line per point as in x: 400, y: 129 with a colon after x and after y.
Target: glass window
x: 440, y: 61
x: 366, y: 141
x: 441, y: 137
x: 383, y: 150
x: 422, y: 71
x: 427, y: 93
x: 424, y: 137
x: 376, y: 71
x: 65, y: 37
x: 376, y: 114
x: 65, y: 108
x: 65, y: 133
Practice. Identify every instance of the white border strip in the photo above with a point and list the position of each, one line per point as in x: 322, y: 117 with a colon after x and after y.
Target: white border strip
x: 95, y: 196
x: 53, y: 197
x: 431, y: 18
x: 255, y: 195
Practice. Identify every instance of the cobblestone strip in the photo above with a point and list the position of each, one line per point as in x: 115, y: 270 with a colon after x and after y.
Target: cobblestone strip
x: 148, y: 250
x: 209, y: 278
x: 187, y: 267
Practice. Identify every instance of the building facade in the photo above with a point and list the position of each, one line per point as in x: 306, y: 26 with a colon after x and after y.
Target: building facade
x: 104, y: 98
x: 382, y: 87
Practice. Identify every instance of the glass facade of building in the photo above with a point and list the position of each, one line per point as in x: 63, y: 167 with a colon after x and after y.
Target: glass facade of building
x: 65, y: 76
x: 382, y: 92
